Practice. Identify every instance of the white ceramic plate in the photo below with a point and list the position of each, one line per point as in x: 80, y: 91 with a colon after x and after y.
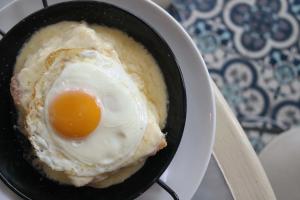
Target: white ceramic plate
x: 187, y: 169
x: 281, y: 161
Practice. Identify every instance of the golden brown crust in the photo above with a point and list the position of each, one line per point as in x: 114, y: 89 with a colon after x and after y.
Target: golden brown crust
x: 67, y: 53
x: 15, y: 90
x: 162, y: 144
x: 16, y: 95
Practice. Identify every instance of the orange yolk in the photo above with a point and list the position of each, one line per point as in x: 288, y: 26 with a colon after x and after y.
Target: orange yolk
x: 74, y: 114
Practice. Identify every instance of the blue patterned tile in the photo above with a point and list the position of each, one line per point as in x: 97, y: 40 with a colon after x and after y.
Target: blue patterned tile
x: 259, y: 26
x: 203, y: 8
x: 252, y: 50
x: 280, y: 74
x: 287, y: 113
x: 213, y: 39
x: 238, y: 83
x: 295, y: 8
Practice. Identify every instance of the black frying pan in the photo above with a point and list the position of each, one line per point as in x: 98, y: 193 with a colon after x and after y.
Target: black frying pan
x: 19, y: 175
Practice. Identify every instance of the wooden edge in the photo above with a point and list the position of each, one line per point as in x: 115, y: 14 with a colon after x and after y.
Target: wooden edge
x: 239, y: 163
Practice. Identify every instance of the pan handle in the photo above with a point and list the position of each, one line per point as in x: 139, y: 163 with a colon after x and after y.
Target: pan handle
x: 45, y: 3
x: 2, y: 33
x: 168, y: 189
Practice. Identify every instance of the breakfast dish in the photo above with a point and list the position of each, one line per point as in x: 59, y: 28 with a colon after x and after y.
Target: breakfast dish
x: 92, y: 102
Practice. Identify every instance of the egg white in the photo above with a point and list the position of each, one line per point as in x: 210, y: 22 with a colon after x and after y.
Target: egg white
x: 123, y: 118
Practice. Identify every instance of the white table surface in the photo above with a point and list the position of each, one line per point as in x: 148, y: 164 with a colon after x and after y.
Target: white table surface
x: 213, y: 186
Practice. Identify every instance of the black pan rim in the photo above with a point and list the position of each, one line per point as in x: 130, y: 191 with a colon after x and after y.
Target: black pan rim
x: 183, y: 89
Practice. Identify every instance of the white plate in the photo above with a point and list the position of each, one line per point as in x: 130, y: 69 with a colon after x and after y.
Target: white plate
x: 187, y: 169
x: 281, y: 161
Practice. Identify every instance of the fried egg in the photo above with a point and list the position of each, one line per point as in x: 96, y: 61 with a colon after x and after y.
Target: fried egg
x: 84, y: 129
x: 93, y: 116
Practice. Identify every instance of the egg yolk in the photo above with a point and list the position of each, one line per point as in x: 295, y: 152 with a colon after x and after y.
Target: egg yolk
x: 74, y: 114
